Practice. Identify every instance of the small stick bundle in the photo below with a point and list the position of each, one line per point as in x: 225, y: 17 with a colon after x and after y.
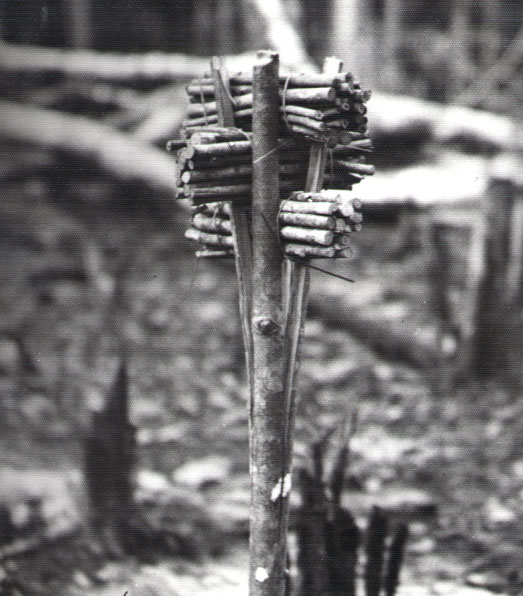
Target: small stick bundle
x: 216, y: 164
x: 311, y: 226
x: 318, y: 225
x: 211, y: 226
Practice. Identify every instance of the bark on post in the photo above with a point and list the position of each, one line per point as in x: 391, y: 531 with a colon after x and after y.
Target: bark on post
x: 269, y: 497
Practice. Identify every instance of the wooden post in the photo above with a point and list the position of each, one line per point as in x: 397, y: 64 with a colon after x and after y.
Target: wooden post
x: 269, y: 496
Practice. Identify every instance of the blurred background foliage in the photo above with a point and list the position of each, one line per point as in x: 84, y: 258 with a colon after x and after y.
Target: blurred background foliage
x: 428, y: 49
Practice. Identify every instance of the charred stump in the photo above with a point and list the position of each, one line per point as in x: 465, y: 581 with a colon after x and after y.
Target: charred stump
x: 330, y: 542
x: 110, y: 452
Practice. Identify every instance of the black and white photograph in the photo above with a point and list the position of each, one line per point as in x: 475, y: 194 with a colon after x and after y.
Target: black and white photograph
x: 261, y: 298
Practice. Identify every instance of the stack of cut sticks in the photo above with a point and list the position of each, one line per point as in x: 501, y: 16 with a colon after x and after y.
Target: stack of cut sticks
x: 215, y: 163
x: 311, y: 226
x: 322, y: 107
x: 318, y: 225
x: 211, y: 226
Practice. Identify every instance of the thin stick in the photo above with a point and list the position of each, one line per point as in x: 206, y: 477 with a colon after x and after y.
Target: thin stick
x: 239, y: 222
x: 311, y: 95
x: 295, y: 80
x: 299, y: 281
x: 234, y: 172
x: 298, y: 275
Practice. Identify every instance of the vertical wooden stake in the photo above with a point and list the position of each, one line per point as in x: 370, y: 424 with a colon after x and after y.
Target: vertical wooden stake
x: 297, y: 282
x: 239, y: 219
x: 269, y: 496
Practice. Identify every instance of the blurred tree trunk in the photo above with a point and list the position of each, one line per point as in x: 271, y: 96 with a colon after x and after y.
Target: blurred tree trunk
x: 490, y: 34
x: 271, y: 25
x: 346, y: 27
x: 203, y: 27
x: 119, y: 154
x: 80, y: 30
x: 459, y: 32
x: 353, y: 38
x: 515, y: 274
x: 227, y: 32
x: 392, y: 34
x: 493, y: 315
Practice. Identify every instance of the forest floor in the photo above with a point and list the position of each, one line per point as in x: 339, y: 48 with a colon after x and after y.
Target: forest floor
x: 450, y: 462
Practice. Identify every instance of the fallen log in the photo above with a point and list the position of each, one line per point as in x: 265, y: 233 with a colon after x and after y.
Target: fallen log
x: 117, y: 153
x: 454, y: 179
x: 392, y: 114
x: 105, y: 66
x: 395, y: 337
x: 154, y: 67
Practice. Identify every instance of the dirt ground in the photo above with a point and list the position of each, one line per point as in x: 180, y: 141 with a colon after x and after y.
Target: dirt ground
x: 448, y: 462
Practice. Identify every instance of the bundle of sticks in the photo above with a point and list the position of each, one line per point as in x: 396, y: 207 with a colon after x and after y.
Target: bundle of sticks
x: 319, y: 225
x: 322, y: 107
x: 211, y: 227
x: 311, y: 226
x: 214, y: 163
